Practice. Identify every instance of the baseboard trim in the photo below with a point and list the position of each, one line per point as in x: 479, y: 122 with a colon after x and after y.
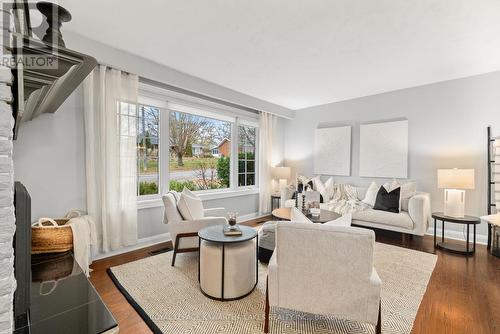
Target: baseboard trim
x: 458, y: 235
x: 158, y: 239
x: 141, y: 243
x: 250, y: 216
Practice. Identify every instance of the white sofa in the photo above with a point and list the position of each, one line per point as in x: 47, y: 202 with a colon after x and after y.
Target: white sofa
x: 333, y: 284
x: 414, y: 217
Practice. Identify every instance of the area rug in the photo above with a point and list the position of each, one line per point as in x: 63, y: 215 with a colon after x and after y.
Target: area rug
x: 169, y: 299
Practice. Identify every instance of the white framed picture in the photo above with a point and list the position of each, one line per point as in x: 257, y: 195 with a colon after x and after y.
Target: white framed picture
x: 383, y: 150
x: 332, y: 151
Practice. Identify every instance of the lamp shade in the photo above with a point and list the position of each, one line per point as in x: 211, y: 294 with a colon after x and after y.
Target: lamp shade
x: 455, y: 178
x: 281, y: 173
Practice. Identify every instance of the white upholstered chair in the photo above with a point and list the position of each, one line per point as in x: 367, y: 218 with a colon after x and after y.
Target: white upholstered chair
x: 324, y: 270
x: 184, y: 233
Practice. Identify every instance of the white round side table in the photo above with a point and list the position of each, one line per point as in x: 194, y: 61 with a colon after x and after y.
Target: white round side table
x: 227, y: 265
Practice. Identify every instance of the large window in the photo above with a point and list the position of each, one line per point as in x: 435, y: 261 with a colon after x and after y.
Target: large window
x: 246, y: 155
x: 200, y: 152
x: 148, y: 144
x: 192, y: 146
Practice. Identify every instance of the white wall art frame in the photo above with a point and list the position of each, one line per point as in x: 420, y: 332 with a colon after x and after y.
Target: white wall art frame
x: 383, y: 150
x: 332, y: 151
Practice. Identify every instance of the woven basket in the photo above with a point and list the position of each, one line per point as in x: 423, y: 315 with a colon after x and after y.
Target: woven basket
x: 52, y: 235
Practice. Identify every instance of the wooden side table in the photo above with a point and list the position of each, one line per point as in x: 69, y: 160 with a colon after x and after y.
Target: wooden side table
x: 459, y: 249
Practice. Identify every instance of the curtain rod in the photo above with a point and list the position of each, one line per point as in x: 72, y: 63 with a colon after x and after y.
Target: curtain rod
x: 197, y: 95
x: 185, y: 91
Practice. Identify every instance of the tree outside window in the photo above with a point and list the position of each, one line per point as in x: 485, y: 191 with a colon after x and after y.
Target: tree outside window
x: 246, y: 155
x: 200, y: 150
x: 148, y: 150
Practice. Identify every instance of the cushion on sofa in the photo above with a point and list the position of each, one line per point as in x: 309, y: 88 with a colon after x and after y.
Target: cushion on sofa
x: 401, y: 219
x: 371, y: 194
x: 388, y: 200
x: 326, y: 189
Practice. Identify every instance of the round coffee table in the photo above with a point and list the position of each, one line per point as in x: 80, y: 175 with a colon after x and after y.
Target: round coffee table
x: 282, y: 213
x: 324, y: 216
x: 459, y: 249
x: 227, y: 265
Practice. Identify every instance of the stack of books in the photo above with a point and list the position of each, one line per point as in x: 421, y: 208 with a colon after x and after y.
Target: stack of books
x: 232, y: 230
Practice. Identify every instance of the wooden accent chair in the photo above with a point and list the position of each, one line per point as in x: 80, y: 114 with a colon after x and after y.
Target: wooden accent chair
x: 184, y: 233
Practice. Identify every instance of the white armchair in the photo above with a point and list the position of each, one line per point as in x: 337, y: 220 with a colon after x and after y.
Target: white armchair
x: 325, y: 270
x: 184, y: 233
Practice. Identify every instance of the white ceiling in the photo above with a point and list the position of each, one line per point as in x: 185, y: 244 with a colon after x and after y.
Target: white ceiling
x: 299, y: 54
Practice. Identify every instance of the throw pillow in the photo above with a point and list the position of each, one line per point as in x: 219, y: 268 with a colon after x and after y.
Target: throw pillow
x: 408, y: 190
x: 388, y: 201
x: 329, y: 188
x: 297, y: 216
x: 345, y: 220
x: 390, y: 186
x: 371, y: 194
x: 325, y: 189
x: 190, y: 193
x: 190, y: 205
x: 304, y: 183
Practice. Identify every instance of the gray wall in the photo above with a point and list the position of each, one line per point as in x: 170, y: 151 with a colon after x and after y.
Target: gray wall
x: 49, y: 158
x: 447, y: 128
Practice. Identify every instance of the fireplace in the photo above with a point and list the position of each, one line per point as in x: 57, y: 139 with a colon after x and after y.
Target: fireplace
x: 22, y: 253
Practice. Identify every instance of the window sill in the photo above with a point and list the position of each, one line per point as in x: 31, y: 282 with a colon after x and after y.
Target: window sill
x: 205, y: 196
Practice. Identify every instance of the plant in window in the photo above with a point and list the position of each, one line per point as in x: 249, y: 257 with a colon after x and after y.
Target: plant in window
x: 224, y: 170
x: 180, y: 185
x: 147, y: 188
x: 206, y: 174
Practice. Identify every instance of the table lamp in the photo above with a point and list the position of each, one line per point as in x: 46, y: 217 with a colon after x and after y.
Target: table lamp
x: 455, y: 182
x: 282, y: 174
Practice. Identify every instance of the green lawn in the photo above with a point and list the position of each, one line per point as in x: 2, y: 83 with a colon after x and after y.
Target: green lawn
x: 152, y: 167
x: 189, y: 164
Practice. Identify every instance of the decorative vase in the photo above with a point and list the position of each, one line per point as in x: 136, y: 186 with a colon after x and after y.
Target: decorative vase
x: 231, y: 219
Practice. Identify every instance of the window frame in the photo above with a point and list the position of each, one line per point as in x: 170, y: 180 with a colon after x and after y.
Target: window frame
x: 167, y: 101
x: 142, y: 100
x: 256, y: 153
x: 151, y: 196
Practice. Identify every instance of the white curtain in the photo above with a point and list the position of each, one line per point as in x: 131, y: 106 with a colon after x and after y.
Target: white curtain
x: 110, y: 102
x: 267, y: 124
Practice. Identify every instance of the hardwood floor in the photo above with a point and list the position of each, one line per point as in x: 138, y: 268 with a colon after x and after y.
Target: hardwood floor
x: 463, y: 295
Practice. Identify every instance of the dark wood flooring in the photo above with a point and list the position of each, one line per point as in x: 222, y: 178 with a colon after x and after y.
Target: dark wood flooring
x: 463, y: 295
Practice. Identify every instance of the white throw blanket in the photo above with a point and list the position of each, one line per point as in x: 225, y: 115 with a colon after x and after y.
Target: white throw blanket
x: 345, y: 200
x: 84, y: 237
